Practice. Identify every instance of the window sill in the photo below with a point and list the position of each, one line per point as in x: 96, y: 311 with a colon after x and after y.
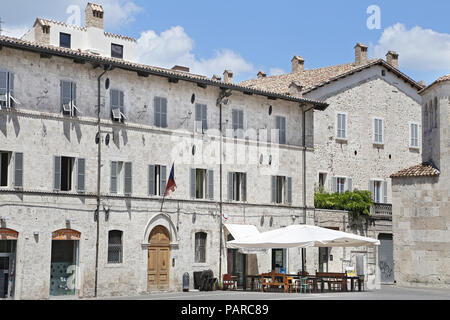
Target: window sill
x: 378, y: 144
x: 114, y: 265
x: 414, y: 148
x: 341, y: 140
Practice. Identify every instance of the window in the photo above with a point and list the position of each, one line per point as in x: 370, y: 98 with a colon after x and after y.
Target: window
x: 378, y: 188
x: 281, y: 189
x: 116, y: 51
x: 378, y: 131
x: 64, y: 40
x: 201, y: 122
x: 237, y: 186
x: 160, y: 112
x: 63, y: 173
x: 279, y: 260
x: 4, y: 167
x: 341, y: 126
x: 46, y: 29
x: 115, y: 254
x: 202, y: 184
x: 414, y: 135
x: 322, y: 179
x: 11, y: 162
x: 238, y: 123
x: 200, y: 247
x: 157, y: 179
x: 117, y: 105
x: 69, y: 98
x: 121, y: 177
x: 281, y: 127
x: 342, y: 184
x: 7, y: 98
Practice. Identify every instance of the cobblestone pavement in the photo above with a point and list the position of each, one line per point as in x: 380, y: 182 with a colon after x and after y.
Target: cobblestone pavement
x: 385, y: 293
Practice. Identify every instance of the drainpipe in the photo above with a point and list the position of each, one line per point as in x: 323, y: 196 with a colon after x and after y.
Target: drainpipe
x: 99, y: 158
x: 304, y: 177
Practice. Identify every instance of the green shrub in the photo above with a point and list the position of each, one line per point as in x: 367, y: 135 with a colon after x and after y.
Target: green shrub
x: 357, y: 202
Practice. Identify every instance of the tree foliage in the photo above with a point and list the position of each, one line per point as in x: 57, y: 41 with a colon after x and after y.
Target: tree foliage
x: 357, y: 202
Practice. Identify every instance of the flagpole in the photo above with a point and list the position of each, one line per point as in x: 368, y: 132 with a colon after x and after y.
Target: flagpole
x: 164, y: 198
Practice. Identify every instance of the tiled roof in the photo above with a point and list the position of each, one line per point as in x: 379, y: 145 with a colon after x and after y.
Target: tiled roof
x: 146, y: 69
x: 441, y: 79
x: 314, y: 78
x: 422, y: 170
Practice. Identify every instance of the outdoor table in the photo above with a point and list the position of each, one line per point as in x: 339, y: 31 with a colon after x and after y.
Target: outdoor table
x: 352, y: 282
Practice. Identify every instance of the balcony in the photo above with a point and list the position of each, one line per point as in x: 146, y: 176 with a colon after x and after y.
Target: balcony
x: 381, y: 211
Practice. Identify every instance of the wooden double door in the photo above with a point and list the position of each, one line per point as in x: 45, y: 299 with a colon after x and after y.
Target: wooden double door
x: 159, y: 260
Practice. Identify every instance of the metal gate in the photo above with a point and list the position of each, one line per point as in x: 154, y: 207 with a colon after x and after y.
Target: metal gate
x: 386, y: 258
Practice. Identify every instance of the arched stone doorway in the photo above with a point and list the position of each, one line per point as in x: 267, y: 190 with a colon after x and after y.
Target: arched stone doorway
x: 159, y: 259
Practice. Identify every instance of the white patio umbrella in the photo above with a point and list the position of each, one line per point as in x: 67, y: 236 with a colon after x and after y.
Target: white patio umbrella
x: 302, y: 236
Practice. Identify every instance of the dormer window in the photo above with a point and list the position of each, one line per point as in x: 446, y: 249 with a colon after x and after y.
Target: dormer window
x: 46, y: 29
x: 64, y: 40
x: 98, y: 14
x: 116, y: 51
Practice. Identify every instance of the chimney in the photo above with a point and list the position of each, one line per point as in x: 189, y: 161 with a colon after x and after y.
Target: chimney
x: 94, y: 16
x: 392, y: 58
x: 228, y: 76
x: 298, y: 64
x: 360, y: 54
x: 180, y: 68
x: 261, y: 74
x: 295, y: 88
x: 216, y: 77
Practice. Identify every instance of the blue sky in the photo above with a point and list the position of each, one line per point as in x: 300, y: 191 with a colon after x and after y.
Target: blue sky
x: 248, y: 36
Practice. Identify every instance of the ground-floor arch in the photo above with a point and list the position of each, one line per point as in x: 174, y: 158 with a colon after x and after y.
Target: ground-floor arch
x: 159, y: 259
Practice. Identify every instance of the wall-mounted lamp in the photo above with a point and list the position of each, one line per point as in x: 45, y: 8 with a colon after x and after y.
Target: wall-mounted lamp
x: 106, y: 213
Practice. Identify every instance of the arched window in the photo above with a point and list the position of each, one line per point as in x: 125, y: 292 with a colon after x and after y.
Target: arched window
x: 200, y: 247
x: 115, y: 250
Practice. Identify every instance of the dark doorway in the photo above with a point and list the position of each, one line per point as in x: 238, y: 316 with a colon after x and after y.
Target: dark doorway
x: 386, y: 258
x: 7, y: 268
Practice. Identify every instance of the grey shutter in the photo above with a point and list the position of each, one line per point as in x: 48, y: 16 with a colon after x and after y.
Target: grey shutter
x: 128, y: 178
x: 334, y: 186
x: 244, y: 187
x: 11, y: 87
x: 350, y: 184
x: 57, y: 174
x: 18, y: 170
x: 113, y: 183
x: 372, y: 189
x: 198, y: 117
x: 121, y: 102
x: 74, y: 93
x: 274, y: 189
x: 230, y: 186
x: 164, y: 112
x: 211, y: 184
x: 204, y: 117
x: 66, y: 93
x: 114, y: 99
x: 235, y: 121
x: 3, y: 82
x: 289, y: 190
x: 385, y: 192
x: 162, y: 179
x: 151, y: 180
x: 81, y: 171
x: 193, y: 183
x: 157, y: 112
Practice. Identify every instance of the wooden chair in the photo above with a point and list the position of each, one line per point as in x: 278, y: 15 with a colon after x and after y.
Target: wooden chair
x: 228, y: 282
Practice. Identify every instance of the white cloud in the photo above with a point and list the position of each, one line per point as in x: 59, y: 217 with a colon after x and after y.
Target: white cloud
x: 15, y: 31
x: 175, y: 47
x: 276, y: 71
x: 419, y: 49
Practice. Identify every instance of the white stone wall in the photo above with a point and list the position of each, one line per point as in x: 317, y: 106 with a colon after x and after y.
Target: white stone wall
x: 364, y: 96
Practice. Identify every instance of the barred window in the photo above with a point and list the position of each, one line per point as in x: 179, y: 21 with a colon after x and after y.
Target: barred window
x: 115, y: 246
x: 200, y: 247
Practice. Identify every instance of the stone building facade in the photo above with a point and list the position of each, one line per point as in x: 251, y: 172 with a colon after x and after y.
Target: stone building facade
x: 421, y: 206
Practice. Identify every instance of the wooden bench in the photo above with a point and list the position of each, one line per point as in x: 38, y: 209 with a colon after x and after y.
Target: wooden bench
x: 334, y: 280
x: 274, y: 279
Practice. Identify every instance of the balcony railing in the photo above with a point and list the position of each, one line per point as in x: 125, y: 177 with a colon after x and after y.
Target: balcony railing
x: 381, y: 210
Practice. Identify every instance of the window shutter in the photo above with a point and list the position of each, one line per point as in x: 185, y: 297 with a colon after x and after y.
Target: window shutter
x: 198, y: 117
x: 372, y: 189
x: 66, y: 93
x: 204, y: 117
x: 289, y: 190
x: 18, y: 170
x: 244, y: 188
x: 128, y: 185
x: 385, y: 192
x: 163, y: 179
x: 164, y: 112
x: 121, y: 102
x: 274, y: 189
x: 211, y: 184
x: 74, y: 93
x: 335, y: 184
x: 157, y: 112
x: 114, y: 99
x: 113, y: 186
x: 81, y: 170
x: 234, y: 121
x: 193, y: 183
x: 57, y: 174
x: 230, y: 186
x: 3, y: 82
x: 11, y: 86
x: 151, y: 180
x: 350, y: 184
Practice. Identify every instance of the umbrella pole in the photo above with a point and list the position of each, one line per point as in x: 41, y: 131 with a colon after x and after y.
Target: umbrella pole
x: 303, y: 262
